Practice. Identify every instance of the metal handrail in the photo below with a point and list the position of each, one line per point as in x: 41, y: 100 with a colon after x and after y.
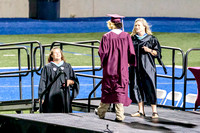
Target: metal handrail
x: 173, y: 62
x: 57, y: 43
x: 185, y: 76
x: 4, y: 74
x: 89, y: 97
x: 28, y: 59
x: 30, y: 64
x: 173, y: 77
x: 61, y: 43
x: 80, y: 44
x: 73, y: 44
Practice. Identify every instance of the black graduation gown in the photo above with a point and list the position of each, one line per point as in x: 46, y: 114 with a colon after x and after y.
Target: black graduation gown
x: 54, y: 99
x: 143, y: 76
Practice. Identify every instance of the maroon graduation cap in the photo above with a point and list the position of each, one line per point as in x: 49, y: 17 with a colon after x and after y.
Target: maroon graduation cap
x: 115, y: 18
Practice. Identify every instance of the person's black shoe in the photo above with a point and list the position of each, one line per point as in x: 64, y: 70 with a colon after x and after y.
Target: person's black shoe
x: 118, y: 120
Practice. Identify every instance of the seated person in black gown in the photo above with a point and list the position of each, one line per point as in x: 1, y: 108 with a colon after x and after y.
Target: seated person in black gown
x: 55, y: 100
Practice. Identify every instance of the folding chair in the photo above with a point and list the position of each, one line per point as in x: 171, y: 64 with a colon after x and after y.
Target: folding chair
x: 161, y: 94
x: 177, y: 97
x: 190, y: 98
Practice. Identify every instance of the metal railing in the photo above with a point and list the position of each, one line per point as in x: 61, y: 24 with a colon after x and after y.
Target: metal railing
x: 173, y: 77
x: 185, y: 76
x: 31, y: 66
x: 93, y: 69
x: 79, y: 44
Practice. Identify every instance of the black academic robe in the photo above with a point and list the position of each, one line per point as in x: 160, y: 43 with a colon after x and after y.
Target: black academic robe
x: 54, y: 99
x: 143, y: 76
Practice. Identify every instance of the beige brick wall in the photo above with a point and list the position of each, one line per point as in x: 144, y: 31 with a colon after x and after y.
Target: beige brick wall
x: 99, y: 8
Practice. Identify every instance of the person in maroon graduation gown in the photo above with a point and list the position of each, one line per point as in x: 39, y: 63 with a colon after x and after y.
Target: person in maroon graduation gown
x: 116, y: 51
x: 55, y: 100
x: 143, y: 77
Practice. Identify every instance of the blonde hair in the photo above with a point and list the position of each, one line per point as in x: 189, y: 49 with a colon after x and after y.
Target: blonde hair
x: 110, y: 25
x: 145, y: 24
x: 51, y: 53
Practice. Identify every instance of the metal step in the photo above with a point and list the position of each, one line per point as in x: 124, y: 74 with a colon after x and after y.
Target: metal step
x: 19, y: 105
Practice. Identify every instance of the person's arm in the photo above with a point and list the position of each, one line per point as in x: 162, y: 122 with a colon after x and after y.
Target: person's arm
x: 103, y: 50
x: 42, y: 84
x: 131, y: 53
x: 73, y: 81
x: 151, y: 51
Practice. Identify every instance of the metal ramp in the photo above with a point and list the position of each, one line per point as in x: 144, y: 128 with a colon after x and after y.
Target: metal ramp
x: 19, y: 105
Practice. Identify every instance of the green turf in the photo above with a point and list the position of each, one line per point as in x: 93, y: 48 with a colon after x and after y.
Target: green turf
x: 184, y: 41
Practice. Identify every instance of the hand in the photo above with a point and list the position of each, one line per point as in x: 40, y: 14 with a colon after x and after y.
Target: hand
x: 42, y: 101
x: 70, y: 82
x: 146, y: 49
x: 153, y: 52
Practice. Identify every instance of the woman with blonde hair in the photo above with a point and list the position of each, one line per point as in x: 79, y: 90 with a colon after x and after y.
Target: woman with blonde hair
x: 58, y: 99
x: 143, y: 76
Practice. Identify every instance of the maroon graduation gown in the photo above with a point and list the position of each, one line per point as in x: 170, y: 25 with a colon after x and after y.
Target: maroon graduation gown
x: 116, y: 51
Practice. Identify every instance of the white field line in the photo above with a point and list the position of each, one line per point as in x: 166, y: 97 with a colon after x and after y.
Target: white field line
x: 90, y: 84
x: 9, y: 55
x: 38, y: 85
x: 85, y: 67
x: 179, y: 83
x: 72, y: 67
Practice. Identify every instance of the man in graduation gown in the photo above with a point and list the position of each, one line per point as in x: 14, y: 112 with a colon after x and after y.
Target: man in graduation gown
x: 59, y: 97
x: 116, y: 51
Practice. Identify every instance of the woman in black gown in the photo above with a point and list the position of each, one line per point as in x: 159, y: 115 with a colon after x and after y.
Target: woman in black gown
x: 58, y: 99
x: 143, y: 77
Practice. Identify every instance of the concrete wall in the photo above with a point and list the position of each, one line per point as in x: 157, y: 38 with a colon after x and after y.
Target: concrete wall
x: 99, y: 8
x: 134, y: 8
x: 14, y: 8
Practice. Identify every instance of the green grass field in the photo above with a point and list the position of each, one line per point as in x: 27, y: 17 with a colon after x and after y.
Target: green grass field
x: 184, y: 41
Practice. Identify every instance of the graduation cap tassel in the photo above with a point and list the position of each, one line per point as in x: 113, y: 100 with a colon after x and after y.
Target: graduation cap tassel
x: 122, y: 24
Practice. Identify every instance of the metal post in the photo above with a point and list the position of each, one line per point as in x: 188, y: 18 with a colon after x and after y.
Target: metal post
x: 44, y: 60
x: 32, y: 78
x: 93, y: 71
x: 89, y: 97
x: 20, y: 78
x: 173, y: 75
x: 185, y: 80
